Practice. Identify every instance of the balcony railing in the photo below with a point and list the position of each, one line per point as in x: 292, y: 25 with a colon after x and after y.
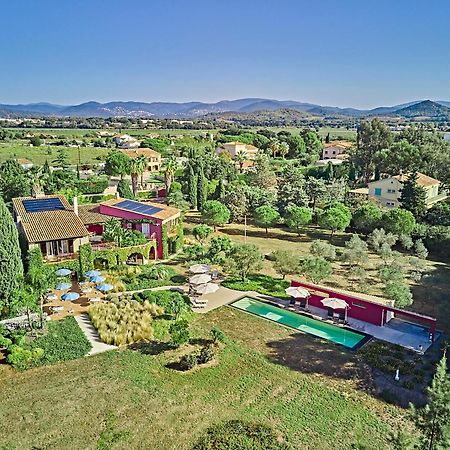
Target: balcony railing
x: 59, y: 258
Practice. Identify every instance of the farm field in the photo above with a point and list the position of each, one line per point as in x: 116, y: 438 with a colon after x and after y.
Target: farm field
x: 431, y: 294
x: 38, y: 155
x: 134, y: 397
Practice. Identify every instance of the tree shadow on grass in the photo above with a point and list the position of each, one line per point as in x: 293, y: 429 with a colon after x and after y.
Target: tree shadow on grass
x: 432, y: 296
x: 311, y: 355
x: 151, y: 348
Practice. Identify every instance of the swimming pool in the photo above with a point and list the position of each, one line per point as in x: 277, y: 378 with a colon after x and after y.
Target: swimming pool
x: 343, y: 336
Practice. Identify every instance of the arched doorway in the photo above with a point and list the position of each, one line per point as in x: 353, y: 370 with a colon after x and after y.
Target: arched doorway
x: 101, y: 263
x: 135, y: 259
x: 152, y: 254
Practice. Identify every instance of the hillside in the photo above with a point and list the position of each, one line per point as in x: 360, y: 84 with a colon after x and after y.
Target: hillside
x: 425, y: 109
x: 161, y: 110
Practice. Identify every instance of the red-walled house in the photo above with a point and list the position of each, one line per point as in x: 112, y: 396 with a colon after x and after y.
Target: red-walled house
x: 147, y: 217
x: 374, y: 312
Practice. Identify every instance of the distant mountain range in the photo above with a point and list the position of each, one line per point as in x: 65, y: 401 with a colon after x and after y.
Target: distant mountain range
x: 417, y: 109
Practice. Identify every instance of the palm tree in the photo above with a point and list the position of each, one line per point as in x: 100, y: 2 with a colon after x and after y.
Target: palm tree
x: 135, y: 170
x: 274, y: 147
x: 169, y: 172
x: 142, y: 162
x: 284, y: 149
x: 240, y: 158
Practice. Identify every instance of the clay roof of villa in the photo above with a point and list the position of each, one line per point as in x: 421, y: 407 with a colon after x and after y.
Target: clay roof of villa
x: 49, y: 225
x: 90, y: 214
x: 422, y: 179
x: 135, y: 152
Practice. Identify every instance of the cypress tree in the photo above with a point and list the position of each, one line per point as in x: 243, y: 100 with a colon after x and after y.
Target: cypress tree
x: 11, y: 268
x: 201, y: 188
x: 192, y: 187
x: 413, y: 196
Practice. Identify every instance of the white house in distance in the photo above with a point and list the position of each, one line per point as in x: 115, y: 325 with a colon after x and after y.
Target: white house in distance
x: 387, y: 191
x: 234, y: 148
x: 126, y: 141
x: 336, y: 150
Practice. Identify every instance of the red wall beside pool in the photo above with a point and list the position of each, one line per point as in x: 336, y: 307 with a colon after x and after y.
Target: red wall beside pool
x: 365, y: 310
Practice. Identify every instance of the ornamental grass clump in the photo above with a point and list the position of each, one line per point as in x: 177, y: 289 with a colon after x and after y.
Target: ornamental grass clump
x: 124, y: 322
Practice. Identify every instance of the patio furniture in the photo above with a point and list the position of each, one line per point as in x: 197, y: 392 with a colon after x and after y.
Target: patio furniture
x: 207, y: 288
x: 302, y: 303
x: 57, y: 308
x: 335, y: 303
x: 94, y: 300
x: 199, y: 268
x: 86, y: 290
x: 51, y: 297
x: 200, y: 279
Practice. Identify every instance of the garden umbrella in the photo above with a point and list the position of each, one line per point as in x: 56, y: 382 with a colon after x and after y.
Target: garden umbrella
x: 103, y: 287
x: 207, y: 288
x: 63, y: 286
x: 200, y: 279
x: 199, y: 268
x: 92, y: 273
x: 335, y: 303
x: 70, y: 296
x: 63, y: 272
x: 97, y: 279
x: 297, y: 292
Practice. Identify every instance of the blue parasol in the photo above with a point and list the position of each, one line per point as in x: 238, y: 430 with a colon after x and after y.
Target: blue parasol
x: 63, y: 272
x: 63, y: 286
x: 98, y: 279
x: 70, y: 296
x: 104, y: 287
x: 92, y: 273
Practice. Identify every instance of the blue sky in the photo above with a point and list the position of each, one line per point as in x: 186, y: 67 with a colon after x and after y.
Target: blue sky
x: 361, y: 53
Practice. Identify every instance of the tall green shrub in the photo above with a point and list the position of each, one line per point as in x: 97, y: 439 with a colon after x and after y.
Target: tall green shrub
x: 11, y: 268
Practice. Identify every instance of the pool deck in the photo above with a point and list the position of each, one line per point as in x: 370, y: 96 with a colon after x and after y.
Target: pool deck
x: 396, y: 331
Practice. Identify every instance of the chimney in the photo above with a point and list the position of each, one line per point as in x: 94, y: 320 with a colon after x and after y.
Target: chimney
x: 75, y: 205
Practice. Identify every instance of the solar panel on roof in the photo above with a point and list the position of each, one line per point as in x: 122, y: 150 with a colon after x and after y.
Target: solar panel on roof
x: 137, y: 207
x: 43, y: 204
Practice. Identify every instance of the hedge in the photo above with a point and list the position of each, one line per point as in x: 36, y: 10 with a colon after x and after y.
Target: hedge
x: 63, y: 341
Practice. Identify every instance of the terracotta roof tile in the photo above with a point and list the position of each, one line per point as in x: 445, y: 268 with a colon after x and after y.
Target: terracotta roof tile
x: 90, y: 214
x: 422, y: 179
x: 49, y: 225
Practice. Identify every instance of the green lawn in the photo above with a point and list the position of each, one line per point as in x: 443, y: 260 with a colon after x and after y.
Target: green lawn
x: 38, y: 155
x: 151, y: 406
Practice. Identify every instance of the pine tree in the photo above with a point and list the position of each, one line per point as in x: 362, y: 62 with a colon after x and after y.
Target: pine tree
x: 413, y: 197
x: 433, y: 420
x: 11, y: 268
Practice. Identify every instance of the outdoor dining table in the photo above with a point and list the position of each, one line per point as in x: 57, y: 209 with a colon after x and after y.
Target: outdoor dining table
x: 86, y: 290
x: 57, y: 308
x: 94, y: 299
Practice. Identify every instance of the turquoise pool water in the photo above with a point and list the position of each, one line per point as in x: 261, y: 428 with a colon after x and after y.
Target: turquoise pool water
x: 339, y: 335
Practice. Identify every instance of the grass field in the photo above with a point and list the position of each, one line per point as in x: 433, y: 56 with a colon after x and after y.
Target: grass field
x: 38, y: 155
x: 146, y: 405
x: 335, y: 133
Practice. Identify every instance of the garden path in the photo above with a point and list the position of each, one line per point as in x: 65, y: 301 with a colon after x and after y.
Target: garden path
x: 91, y: 333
